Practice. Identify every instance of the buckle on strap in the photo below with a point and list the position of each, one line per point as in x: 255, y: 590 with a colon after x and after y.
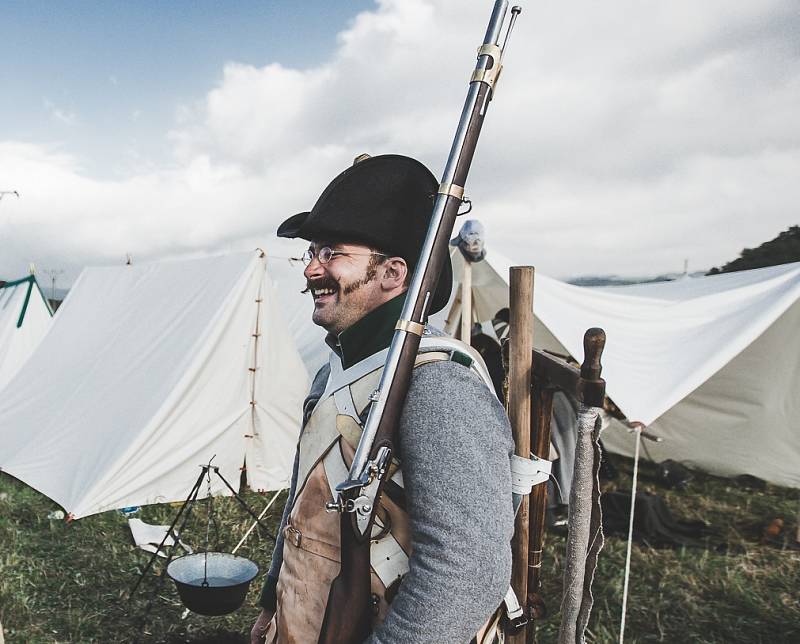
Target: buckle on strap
x: 527, y: 472
x: 294, y: 535
x: 513, y: 618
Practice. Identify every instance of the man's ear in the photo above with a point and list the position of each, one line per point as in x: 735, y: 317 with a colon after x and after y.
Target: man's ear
x: 395, y: 271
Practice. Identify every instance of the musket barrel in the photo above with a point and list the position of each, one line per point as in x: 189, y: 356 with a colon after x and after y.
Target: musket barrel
x: 442, y: 219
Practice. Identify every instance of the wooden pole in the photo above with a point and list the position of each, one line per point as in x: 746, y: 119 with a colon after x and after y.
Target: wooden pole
x: 452, y: 321
x: 540, y: 446
x: 466, y: 302
x: 519, y: 413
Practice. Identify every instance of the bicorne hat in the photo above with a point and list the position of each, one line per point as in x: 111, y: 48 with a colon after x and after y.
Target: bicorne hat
x: 384, y: 202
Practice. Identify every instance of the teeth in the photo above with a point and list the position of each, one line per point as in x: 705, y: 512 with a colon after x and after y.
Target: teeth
x: 322, y: 291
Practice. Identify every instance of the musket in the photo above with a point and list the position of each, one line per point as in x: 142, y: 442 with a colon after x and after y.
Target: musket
x: 348, y: 615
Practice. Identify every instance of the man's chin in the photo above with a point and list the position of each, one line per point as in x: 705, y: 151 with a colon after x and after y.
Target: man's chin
x: 321, y: 317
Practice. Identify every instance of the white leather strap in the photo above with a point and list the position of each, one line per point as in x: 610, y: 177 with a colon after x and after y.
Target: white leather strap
x: 451, y: 344
x: 388, y: 560
x: 527, y: 472
x: 342, y: 377
x: 345, y: 404
x: 513, y: 609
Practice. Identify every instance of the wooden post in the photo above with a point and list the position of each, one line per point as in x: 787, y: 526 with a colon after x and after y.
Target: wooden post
x: 540, y: 446
x: 519, y: 413
x: 466, y: 302
x: 452, y: 321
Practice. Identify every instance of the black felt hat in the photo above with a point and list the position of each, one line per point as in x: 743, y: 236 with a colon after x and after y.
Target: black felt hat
x: 384, y: 202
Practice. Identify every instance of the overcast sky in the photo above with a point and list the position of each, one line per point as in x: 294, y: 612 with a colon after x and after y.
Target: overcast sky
x: 626, y: 136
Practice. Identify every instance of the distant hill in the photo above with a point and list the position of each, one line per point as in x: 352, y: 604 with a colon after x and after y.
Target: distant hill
x: 785, y: 248
x: 60, y: 293
x: 618, y: 280
x: 615, y: 280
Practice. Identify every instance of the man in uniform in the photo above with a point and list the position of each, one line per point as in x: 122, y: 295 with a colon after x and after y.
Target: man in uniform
x: 440, y: 554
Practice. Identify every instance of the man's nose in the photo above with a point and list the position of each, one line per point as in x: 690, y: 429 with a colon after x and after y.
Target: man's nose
x: 314, y: 269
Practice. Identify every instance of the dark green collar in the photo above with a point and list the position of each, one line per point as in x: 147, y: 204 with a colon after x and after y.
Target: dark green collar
x: 370, y: 334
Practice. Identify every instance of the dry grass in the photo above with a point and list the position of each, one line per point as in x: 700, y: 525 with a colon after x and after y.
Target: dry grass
x: 68, y: 582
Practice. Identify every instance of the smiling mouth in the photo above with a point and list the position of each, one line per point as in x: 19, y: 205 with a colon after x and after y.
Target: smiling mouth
x: 317, y: 293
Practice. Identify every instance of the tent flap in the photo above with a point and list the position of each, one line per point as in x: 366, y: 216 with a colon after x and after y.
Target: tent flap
x: 711, y: 362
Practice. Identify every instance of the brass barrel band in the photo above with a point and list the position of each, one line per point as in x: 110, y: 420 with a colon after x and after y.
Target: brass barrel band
x: 451, y: 190
x: 488, y: 76
x: 491, y: 74
x: 490, y: 49
x: 410, y: 327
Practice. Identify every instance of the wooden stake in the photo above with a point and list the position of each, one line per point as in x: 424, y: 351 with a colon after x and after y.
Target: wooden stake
x: 519, y: 413
x: 540, y: 446
x: 466, y: 302
x: 452, y: 321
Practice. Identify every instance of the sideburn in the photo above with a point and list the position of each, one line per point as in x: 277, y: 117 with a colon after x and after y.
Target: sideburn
x: 369, y: 275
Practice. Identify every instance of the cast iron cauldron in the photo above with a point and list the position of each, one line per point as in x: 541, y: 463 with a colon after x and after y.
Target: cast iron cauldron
x: 213, y: 586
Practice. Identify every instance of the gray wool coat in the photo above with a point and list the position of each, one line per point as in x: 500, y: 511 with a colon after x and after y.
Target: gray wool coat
x: 455, y: 447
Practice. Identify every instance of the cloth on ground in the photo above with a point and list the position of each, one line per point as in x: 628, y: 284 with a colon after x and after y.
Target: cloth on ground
x: 653, y: 522
x: 148, y: 537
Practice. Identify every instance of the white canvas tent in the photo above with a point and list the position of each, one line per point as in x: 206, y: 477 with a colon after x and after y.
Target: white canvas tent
x: 297, y: 307
x: 148, y: 372
x: 711, y: 364
x: 25, y: 317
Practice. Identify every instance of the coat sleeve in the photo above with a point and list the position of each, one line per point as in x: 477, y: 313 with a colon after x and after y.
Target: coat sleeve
x: 456, y: 445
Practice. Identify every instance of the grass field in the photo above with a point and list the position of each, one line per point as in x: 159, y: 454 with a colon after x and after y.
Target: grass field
x: 64, y: 582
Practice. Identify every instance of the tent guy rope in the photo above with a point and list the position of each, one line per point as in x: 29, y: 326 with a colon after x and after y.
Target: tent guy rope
x: 638, y: 432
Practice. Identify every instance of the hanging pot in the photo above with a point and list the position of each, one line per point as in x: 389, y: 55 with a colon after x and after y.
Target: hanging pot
x: 212, y: 583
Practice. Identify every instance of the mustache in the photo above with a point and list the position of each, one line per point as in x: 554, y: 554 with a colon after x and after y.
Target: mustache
x: 322, y: 282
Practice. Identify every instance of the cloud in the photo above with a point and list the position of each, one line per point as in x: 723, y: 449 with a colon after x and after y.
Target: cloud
x: 619, y: 141
x: 59, y: 114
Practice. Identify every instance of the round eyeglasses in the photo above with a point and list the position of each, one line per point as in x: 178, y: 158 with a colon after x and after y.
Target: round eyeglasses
x: 326, y: 254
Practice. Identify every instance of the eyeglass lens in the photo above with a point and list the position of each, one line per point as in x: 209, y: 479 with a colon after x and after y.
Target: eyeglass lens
x: 323, y: 255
